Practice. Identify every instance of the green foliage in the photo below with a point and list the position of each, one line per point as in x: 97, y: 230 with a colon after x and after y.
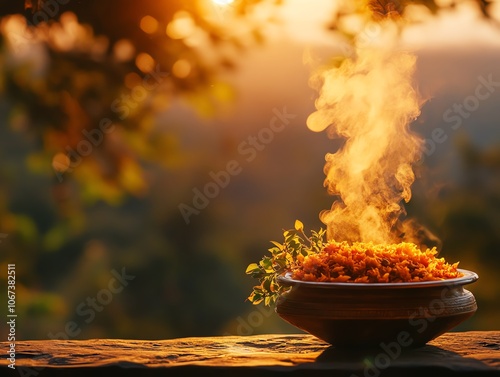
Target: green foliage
x: 65, y: 71
x: 283, y: 258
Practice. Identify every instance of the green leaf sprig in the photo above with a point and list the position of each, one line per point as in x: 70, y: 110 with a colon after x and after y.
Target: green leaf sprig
x: 284, y: 257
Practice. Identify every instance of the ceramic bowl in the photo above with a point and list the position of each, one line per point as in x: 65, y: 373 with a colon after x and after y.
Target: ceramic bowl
x: 368, y: 314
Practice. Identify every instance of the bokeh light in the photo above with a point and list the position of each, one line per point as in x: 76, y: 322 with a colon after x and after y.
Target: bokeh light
x: 123, y: 50
x: 145, y: 62
x: 182, y: 26
x: 149, y: 24
x: 181, y: 68
x: 61, y: 162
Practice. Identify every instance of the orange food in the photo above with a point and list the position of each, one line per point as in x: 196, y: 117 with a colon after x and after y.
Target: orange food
x: 370, y: 263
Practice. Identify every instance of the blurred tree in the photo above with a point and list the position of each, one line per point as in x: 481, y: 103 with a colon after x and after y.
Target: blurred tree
x: 87, y: 78
x: 81, y: 85
x: 82, y: 82
x: 355, y: 20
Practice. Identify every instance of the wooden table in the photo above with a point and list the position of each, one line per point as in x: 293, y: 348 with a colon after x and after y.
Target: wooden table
x: 474, y: 353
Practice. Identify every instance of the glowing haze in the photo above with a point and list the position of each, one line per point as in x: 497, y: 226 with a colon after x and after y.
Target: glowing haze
x: 369, y: 100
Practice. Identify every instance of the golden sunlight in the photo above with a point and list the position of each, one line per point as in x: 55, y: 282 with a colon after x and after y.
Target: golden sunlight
x: 182, y: 26
x: 222, y: 2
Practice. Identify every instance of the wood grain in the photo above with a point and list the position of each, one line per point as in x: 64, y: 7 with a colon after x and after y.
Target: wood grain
x: 475, y: 353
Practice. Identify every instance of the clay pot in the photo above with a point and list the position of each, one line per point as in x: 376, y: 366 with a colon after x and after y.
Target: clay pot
x: 369, y: 314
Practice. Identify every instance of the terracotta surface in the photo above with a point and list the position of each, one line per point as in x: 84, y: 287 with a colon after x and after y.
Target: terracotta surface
x: 454, y: 353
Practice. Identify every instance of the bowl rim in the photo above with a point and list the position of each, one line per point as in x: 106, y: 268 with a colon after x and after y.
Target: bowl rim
x: 467, y: 278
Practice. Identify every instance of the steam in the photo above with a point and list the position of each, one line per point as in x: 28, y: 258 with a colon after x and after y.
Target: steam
x: 370, y: 101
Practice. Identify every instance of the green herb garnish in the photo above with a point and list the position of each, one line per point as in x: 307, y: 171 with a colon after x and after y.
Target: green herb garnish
x: 283, y: 258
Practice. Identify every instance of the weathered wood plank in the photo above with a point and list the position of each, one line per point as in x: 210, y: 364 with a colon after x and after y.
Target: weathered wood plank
x: 474, y: 353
